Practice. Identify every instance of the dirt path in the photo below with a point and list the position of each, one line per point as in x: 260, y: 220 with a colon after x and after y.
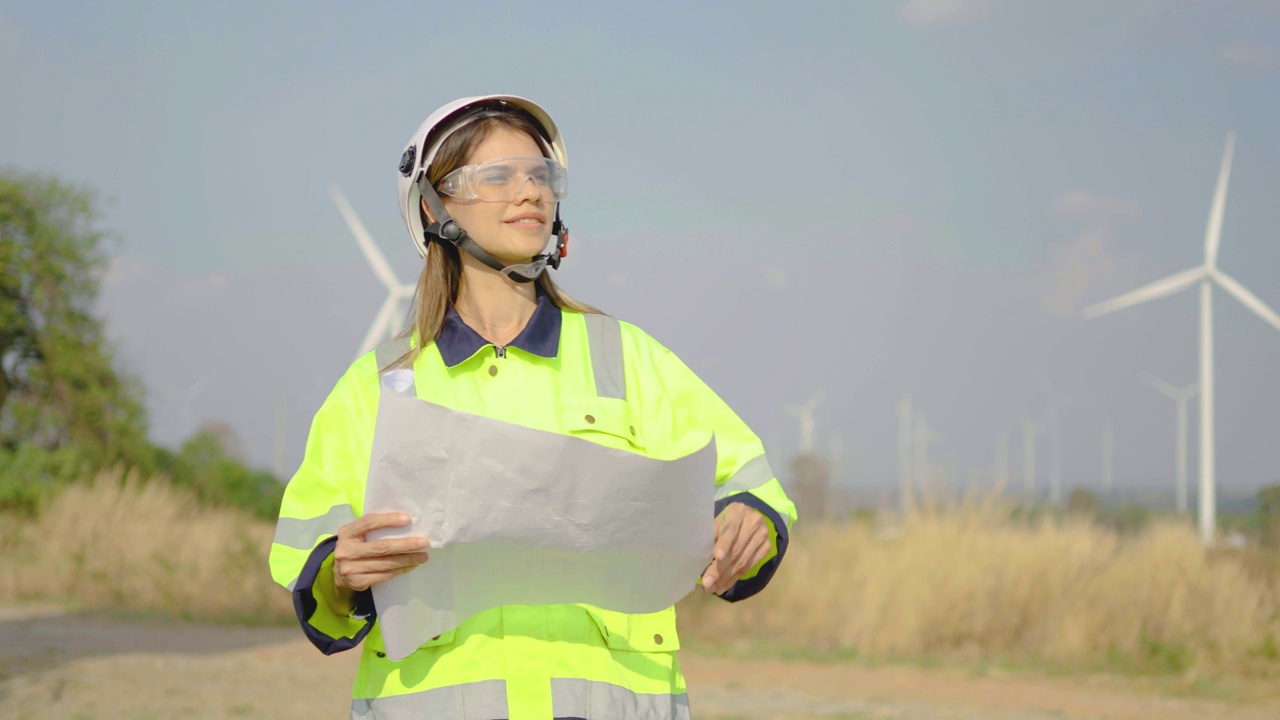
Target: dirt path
x: 59, y: 666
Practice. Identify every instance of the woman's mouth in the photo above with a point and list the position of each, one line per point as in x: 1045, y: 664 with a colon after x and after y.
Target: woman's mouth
x: 529, y: 220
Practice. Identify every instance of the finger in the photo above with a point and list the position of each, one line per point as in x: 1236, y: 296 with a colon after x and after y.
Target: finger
x: 709, y: 578
x: 750, y: 557
x: 759, y: 549
x: 747, y: 528
x: 374, y: 521
x: 390, y: 546
x: 725, y: 542
x: 365, y: 581
x: 384, y: 564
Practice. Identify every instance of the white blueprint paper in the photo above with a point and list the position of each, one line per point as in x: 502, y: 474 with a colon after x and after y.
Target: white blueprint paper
x: 517, y: 516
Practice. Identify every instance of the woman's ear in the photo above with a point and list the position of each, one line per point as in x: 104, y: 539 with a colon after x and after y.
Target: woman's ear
x: 426, y: 211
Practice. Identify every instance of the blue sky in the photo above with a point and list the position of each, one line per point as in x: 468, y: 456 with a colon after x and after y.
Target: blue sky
x: 864, y: 199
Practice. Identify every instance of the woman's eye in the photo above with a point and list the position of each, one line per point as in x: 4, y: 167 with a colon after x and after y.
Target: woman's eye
x: 495, y: 178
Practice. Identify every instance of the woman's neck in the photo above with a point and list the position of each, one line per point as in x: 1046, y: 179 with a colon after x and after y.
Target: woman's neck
x: 493, y: 305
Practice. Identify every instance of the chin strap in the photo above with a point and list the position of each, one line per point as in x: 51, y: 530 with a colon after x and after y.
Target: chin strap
x: 447, y: 229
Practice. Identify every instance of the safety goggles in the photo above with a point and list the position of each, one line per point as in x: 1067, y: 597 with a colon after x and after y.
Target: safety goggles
x: 503, y: 179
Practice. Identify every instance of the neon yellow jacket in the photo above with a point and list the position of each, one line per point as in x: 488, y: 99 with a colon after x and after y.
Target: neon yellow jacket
x: 584, y: 375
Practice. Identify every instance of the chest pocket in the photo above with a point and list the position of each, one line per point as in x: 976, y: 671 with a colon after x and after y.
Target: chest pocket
x: 604, y: 421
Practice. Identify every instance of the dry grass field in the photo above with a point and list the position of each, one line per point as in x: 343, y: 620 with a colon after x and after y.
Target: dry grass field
x: 144, y: 546
x: 960, y: 596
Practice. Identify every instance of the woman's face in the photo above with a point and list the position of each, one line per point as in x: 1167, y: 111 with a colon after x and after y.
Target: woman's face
x: 511, y: 231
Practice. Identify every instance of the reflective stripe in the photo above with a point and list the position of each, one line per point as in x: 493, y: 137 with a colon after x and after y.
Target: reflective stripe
x: 753, y: 473
x: 589, y: 700
x: 604, y: 336
x: 391, y: 350
x: 303, y: 533
x: 484, y: 700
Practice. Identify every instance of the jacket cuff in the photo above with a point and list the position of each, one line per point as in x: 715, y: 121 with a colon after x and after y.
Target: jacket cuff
x: 329, y: 632
x: 747, y: 587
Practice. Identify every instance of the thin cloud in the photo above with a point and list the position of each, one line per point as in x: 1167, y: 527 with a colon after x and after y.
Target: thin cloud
x: 9, y: 37
x: 1089, y: 256
x: 897, y: 226
x: 942, y: 12
x: 1087, y: 207
x: 1252, y: 55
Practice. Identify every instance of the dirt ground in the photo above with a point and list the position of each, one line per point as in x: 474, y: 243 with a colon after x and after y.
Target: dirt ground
x: 55, y: 665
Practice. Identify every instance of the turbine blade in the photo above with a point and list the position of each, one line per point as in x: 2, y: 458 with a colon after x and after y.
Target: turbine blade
x: 1213, y: 231
x: 1247, y: 298
x: 367, y: 246
x: 1156, y: 290
x: 381, y: 326
x: 1159, y: 385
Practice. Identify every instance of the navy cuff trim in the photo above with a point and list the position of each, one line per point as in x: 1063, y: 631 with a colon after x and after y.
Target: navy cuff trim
x: 744, y: 589
x: 304, y: 603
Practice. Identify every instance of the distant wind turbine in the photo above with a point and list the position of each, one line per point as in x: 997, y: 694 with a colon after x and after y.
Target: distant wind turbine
x: 1056, y: 402
x: 384, y: 323
x: 805, y: 413
x: 1179, y: 396
x: 1029, y: 431
x: 1108, y: 459
x: 1205, y: 276
x: 923, y: 473
x: 192, y: 393
x: 905, y: 434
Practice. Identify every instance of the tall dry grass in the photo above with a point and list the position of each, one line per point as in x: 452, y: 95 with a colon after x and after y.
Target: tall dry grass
x: 144, y: 546
x: 973, y: 583
x: 976, y: 584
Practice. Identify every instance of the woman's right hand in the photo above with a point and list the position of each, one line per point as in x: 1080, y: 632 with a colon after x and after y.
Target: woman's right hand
x: 359, y: 564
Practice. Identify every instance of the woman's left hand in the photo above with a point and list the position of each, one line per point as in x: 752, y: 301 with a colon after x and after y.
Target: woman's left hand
x: 742, y: 540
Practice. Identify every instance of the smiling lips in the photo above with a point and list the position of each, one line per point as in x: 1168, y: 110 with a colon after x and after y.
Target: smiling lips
x: 527, y: 220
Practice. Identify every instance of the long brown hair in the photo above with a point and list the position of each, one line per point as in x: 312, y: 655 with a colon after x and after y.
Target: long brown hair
x: 441, y: 276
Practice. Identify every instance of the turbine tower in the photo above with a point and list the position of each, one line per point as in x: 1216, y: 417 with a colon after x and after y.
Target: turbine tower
x: 384, y: 323
x: 1179, y: 396
x: 1205, y: 276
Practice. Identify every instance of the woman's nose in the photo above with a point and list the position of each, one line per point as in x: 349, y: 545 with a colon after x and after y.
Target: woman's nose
x: 529, y: 189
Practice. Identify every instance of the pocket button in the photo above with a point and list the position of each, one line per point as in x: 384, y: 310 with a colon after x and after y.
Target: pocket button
x: 591, y: 419
x: 657, y: 639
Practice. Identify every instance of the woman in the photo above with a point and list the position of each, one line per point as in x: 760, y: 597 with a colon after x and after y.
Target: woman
x: 479, y: 188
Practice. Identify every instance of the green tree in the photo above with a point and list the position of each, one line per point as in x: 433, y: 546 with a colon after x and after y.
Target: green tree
x: 1268, y: 510
x: 64, y: 408
x: 211, y: 464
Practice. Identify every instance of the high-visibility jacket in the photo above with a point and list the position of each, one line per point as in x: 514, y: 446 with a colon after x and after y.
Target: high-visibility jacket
x: 589, y: 376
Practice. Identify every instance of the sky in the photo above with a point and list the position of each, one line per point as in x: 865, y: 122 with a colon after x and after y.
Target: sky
x: 856, y: 200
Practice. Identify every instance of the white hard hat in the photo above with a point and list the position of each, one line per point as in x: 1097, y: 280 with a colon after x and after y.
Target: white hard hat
x: 418, y: 154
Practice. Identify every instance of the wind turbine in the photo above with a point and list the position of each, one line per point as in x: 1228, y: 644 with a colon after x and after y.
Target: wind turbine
x: 1205, y: 276
x: 1108, y: 459
x: 905, y: 431
x: 924, y: 475
x: 1179, y: 396
x: 805, y: 413
x: 1029, y: 431
x: 1056, y: 401
x: 193, y: 392
x: 1002, y: 462
x: 384, y: 323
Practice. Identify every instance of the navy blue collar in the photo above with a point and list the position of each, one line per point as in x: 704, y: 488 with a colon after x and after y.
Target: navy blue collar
x: 540, y: 336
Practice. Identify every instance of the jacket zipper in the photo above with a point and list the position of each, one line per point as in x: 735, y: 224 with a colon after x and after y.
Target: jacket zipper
x: 500, y: 351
